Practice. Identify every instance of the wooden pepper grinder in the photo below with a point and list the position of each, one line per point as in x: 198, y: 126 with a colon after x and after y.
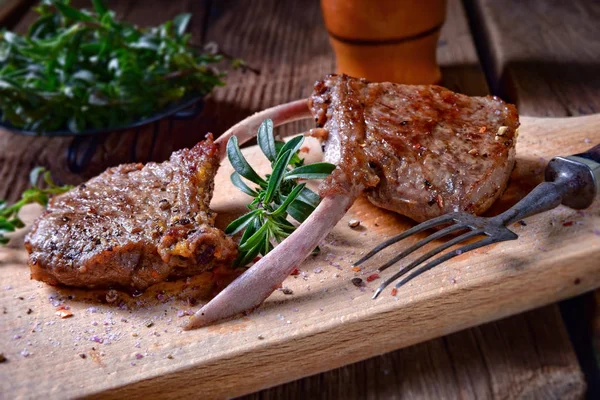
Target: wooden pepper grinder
x: 386, y: 40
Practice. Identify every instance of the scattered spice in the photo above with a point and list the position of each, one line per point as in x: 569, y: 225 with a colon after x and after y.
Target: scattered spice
x: 287, y: 290
x: 139, y: 356
x: 112, y: 296
x: 170, y: 357
x: 63, y: 312
x: 356, y: 269
x: 577, y: 281
x: 354, y: 223
x: 372, y: 277
x: 483, y: 129
x: 29, y: 311
x: 148, y: 324
x: 96, y: 339
x: 260, y: 337
x: 3, y: 358
x: 21, y: 298
x: 357, y: 282
x: 164, y: 204
x: 394, y: 291
x: 568, y: 223
x: 523, y: 223
x: 295, y: 272
x: 502, y: 131
x: 82, y: 355
x: 440, y: 201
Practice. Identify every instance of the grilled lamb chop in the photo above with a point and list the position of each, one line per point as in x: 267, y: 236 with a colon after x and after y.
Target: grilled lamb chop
x: 419, y: 150
x: 133, y: 226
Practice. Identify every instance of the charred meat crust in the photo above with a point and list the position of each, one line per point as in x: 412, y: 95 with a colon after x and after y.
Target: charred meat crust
x: 421, y: 151
x: 133, y: 226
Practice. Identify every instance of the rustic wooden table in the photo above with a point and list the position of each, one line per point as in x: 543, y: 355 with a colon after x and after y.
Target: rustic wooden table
x: 541, y: 55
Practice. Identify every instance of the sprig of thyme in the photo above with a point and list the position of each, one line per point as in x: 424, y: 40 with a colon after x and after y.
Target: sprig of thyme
x: 9, y: 214
x: 82, y: 69
x: 276, y: 196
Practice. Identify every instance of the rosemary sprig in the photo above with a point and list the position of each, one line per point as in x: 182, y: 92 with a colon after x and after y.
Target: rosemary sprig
x: 277, y: 195
x: 81, y: 69
x: 9, y: 215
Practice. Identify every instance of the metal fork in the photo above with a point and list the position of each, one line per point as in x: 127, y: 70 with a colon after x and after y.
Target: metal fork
x: 573, y: 181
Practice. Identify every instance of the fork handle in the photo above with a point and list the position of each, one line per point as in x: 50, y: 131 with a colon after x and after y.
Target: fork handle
x: 573, y: 181
x: 579, y: 174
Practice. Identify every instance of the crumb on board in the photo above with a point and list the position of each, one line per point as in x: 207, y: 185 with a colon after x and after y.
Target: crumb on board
x: 357, y: 282
x: 354, y: 223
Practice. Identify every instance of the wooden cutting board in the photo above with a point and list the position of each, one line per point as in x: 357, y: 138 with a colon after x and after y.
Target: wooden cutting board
x: 135, y: 347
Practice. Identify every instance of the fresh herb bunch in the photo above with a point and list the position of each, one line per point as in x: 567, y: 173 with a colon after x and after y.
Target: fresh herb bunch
x: 79, y: 69
x: 9, y: 215
x: 278, y: 195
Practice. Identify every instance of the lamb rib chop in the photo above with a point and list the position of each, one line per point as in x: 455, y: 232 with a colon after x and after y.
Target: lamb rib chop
x: 133, y: 226
x: 419, y: 150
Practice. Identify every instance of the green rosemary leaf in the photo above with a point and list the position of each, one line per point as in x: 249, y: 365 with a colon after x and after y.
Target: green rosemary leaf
x: 266, y: 141
x: 239, y: 163
x: 309, y: 197
x: 251, y: 229
x: 289, y: 199
x: 236, y: 179
x: 241, y: 222
x: 277, y: 175
x: 300, y: 211
x: 296, y: 161
x: 256, y: 238
x: 246, y: 257
x: 292, y: 145
x: 312, y: 171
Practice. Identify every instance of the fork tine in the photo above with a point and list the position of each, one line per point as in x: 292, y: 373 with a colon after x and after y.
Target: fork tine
x: 427, y: 256
x: 437, y: 235
x: 447, y: 256
x: 414, y: 230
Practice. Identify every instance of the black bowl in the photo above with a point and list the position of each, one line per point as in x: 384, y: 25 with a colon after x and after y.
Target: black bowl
x: 188, y: 107
x: 84, y: 144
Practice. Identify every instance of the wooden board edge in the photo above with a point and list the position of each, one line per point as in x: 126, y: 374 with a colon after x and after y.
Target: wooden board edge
x: 246, y: 371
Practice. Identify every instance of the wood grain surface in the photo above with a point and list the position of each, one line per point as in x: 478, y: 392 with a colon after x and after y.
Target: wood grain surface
x: 135, y: 347
x: 544, y: 56
x: 288, y: 43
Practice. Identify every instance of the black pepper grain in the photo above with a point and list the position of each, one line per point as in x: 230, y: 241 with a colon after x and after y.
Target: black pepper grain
x: 357, y: 282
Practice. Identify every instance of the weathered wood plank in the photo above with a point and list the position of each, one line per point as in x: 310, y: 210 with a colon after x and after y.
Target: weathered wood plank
x: 543, y: 55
